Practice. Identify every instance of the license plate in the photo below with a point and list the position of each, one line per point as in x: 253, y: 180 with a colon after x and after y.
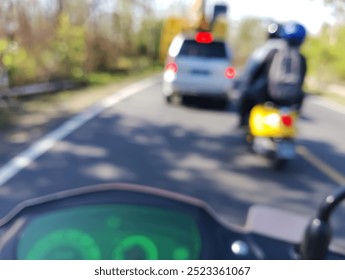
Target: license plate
x: 200, y: 72
x: 263, y: 145
x: 286, y: 150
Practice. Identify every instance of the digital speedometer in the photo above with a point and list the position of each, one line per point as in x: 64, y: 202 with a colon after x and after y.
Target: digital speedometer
x: 120, y: 232
x: 65, y: 244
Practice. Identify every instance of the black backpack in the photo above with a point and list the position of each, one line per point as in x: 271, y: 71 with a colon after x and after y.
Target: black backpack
x: 285, y: 74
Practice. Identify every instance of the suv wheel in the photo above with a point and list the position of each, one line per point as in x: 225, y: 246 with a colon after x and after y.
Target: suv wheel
x: 168, y: 99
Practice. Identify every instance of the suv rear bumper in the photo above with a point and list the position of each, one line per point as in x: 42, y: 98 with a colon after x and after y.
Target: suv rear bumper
x: 214, y: 91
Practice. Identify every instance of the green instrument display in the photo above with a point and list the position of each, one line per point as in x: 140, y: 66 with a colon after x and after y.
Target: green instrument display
x: 111, y: 232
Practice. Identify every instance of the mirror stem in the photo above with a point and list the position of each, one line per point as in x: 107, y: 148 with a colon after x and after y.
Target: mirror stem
x: 319, y: 232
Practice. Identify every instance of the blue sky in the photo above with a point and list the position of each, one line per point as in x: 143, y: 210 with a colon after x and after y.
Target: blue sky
x: 311, y: 13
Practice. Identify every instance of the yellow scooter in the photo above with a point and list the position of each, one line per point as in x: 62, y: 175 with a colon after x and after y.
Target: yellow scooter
x: 272, y: 131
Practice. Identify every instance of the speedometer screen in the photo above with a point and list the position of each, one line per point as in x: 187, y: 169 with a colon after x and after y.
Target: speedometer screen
x: 111, y: 232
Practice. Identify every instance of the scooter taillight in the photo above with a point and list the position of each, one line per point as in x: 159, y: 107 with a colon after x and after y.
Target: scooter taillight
x: 287, y: 120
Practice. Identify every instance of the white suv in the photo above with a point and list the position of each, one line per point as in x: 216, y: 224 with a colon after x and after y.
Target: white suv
x: 198, y: 65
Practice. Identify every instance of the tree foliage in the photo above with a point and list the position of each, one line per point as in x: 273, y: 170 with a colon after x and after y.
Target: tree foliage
x: 69, y: 48
x: 337, y: 7
x: 325, y: 55
x: 248, y: 34
x: 69, y: 39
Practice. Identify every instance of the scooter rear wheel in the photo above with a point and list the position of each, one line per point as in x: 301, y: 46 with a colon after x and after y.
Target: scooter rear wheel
x: 280, y: 164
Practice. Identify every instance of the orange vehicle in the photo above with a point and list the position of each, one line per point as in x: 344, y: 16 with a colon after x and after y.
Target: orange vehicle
x: 197, y: 21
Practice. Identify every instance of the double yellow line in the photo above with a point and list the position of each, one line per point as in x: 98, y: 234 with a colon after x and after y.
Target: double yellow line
x: 325, y: 168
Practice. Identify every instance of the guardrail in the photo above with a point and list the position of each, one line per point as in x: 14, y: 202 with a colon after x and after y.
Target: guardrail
x: 41, y: 88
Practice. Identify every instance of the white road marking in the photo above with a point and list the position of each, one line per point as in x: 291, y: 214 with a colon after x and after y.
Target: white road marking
x: 25, y: 158
x: 329, y: 104
x: 322, y: 166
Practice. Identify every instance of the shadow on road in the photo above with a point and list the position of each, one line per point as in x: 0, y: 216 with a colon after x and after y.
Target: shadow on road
x: 210, y: 104
x: 218, y: 169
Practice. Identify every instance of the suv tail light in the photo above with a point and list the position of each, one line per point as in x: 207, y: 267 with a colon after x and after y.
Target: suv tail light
x: 172, y: 66
x: 230, y: 73
x: 170, y: 72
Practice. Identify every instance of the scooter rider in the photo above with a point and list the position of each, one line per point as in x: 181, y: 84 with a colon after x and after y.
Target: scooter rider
x: 274, y: 32
x: 254, y: 89
x: 252, y: 83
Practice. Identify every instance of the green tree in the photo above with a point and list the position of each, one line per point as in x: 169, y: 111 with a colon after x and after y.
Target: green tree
x: 247, y: 35
x: 69, y: 48
x: 337, y: 7
x: 326, y: 59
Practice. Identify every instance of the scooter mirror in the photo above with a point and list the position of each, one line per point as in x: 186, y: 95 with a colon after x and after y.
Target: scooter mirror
x: 318, y: 234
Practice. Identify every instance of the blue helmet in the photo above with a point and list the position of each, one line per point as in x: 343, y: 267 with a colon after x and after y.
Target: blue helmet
x: 294, y: 33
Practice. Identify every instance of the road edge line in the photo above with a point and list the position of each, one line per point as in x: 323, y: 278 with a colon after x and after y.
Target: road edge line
x: 322, y: 166
x: 47, y: 142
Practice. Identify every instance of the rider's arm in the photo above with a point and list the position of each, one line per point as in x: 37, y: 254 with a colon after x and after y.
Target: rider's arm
x: 252, y: 66
x: 263, y: 67
x: 304, y: 72
x: 304, y: 67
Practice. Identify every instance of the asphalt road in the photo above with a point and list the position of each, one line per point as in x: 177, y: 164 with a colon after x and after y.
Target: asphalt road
x: 194, y: 150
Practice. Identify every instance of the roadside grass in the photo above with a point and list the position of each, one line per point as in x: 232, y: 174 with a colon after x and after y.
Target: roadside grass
x: 333, y: 96
x: 37, y: 110
x: 6, y: 117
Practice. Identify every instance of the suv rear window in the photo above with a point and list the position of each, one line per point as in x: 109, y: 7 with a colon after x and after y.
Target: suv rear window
x: 212, y: 50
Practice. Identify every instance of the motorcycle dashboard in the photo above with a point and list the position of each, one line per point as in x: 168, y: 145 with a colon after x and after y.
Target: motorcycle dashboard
x: 126, y: 222
x: 115, y: 222
x: 113, y: 232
